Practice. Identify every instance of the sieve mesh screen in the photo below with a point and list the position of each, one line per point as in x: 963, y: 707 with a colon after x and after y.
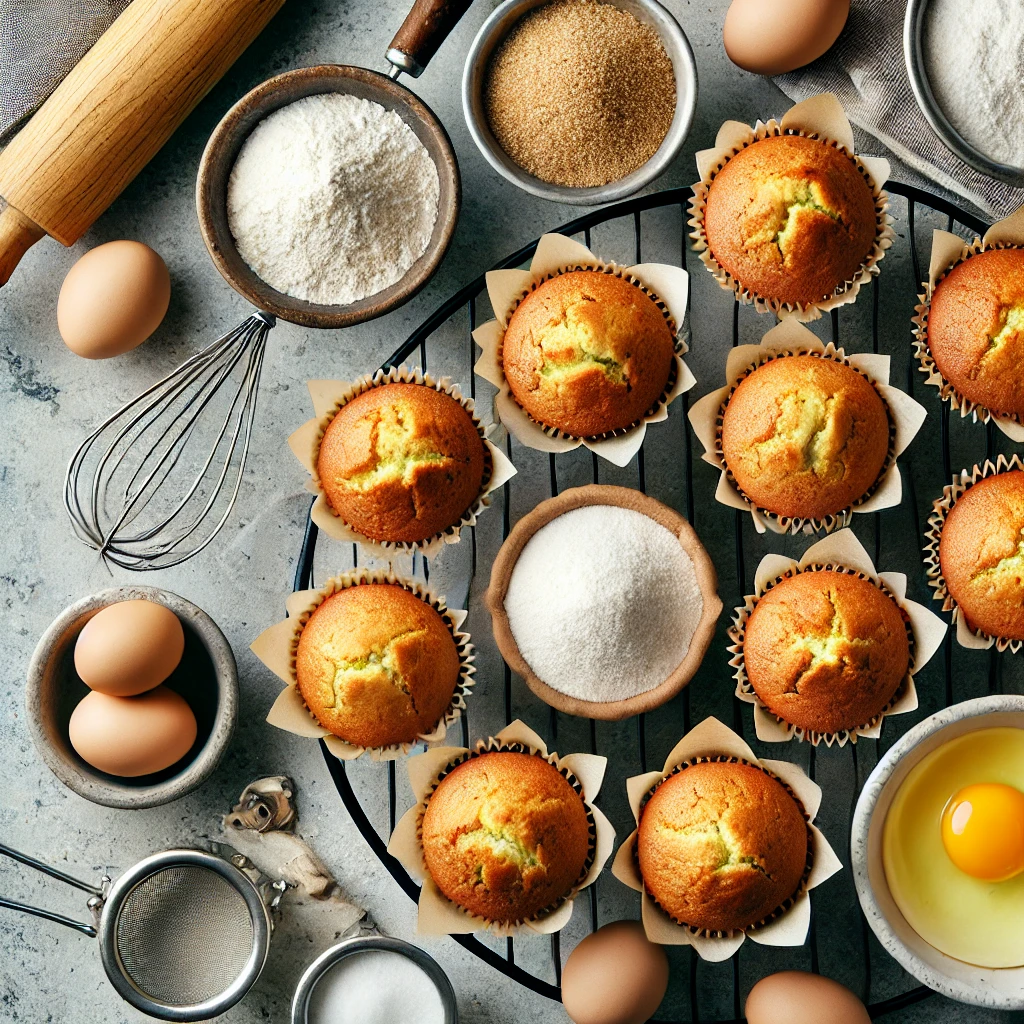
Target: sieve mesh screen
x: 184, y: 935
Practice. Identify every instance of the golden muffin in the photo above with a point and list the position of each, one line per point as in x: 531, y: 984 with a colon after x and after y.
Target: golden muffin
x: 506, y: 836
x: 981, y: 553
x: 722, y: 845
x: 826, y: 651
x: 376, y: 665
x: 790, y: 218
x: 401, y: 462
x: 976, y: 329
x: 587, y: 353
x: 805, y: 437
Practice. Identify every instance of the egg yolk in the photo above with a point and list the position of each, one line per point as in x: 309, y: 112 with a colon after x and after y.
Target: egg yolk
x: 983, y: 831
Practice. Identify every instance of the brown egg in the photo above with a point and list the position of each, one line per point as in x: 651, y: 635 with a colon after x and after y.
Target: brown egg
x: 795, y: 997
x: 113, y: 299
x: 129, y: 647
x: 771, y: 37
x: 131, y: 736
x: 615, y: 976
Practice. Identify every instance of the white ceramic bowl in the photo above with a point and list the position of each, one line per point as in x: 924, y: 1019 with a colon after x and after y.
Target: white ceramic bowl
x: 997, y: 989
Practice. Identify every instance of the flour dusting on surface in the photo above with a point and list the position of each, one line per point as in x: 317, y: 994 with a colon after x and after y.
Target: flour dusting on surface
x: 332, y: 199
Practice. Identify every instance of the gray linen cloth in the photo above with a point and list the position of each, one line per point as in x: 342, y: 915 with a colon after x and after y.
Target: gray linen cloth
x: 866, y: 70
x: 40, y: 42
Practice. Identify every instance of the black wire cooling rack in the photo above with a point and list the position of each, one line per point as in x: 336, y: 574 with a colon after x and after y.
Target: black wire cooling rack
x: 653, y: 228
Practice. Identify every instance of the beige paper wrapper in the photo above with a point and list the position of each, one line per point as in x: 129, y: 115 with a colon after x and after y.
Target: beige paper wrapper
x: 789, y: 928
x: 437, y: 914
x: 840, y: 551
x: 948, y: 251
x: 276, y: 647
x: 556, y: 254
x: 791, y: 338
x: 966, y: 637
x: 820, y: 117
x: 328, y: 397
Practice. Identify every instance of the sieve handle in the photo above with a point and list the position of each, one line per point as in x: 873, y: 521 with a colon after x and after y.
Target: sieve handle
x: 49, y: 915
x: 38, y: 865
x: 425, y: 28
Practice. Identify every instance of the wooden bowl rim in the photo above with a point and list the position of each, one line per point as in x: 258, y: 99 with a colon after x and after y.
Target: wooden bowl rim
x: 234, y: 128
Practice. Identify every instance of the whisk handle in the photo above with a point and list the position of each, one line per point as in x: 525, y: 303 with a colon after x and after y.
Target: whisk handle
x: 18, y: 234
x: 425, y: 28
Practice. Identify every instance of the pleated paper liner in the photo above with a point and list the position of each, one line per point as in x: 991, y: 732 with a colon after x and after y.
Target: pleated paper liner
x: 840, y: 552
x: 328, y: 398
x: 976, y: 640
x: 788, y: 925
x: 437, y: 915
x: 666, y: 285
x: 276, y: 648
x: 819, y: 117
x: 791, y: 338
x: 949, y: 251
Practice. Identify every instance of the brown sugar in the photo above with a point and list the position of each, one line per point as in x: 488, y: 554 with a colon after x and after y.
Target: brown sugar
x: 580, y: 93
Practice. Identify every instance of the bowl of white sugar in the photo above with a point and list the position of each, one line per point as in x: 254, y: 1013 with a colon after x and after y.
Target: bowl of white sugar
x: 604, y: 600
x: 374, y: 980
x: 964, y: 61
x: 328, y: 196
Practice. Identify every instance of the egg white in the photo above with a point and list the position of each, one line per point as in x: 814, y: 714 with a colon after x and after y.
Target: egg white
x: 979, y: 922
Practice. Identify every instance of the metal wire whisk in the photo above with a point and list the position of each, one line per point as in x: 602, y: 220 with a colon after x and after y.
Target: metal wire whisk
x: 143, y: 489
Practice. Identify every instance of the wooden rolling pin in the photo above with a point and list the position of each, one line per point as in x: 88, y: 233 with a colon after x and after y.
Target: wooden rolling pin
x: 111, y: 114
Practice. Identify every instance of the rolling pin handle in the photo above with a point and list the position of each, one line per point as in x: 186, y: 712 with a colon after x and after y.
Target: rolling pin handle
x: 425, y: 28
x: 17, y: 235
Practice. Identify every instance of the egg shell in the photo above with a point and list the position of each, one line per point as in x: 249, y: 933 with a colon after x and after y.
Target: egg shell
x: 132, y: 736
x: 772, y: 37
x: 113, y: 299
x: 129, y: 647
x: 796, y: 997
x: 615, y: 976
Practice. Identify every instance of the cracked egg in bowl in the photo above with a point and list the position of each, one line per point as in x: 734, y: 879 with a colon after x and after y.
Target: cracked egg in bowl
x: 953, y: 848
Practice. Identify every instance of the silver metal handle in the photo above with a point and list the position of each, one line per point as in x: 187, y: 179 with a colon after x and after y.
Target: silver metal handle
x: 95, y: 892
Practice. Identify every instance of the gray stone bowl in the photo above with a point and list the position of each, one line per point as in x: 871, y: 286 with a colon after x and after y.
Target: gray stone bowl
x: 206, y: 678
x: 998, y: 989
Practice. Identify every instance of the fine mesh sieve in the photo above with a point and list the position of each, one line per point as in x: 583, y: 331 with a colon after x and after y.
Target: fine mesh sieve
x: 183, y: 935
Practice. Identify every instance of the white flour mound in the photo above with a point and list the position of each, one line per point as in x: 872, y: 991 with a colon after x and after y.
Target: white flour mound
x: 603, y: 603
x: 974, y: 56
x: 332, y: 198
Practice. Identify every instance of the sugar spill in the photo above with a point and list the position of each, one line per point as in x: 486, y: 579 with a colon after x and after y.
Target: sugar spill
x: 375, y: 987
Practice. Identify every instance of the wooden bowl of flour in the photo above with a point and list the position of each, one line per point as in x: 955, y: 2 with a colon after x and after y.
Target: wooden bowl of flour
x: 646, y: 620
x: 230, y: 135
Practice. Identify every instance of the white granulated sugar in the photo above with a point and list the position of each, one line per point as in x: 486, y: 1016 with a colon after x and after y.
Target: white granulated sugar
x: 375, y: 987
x: 974, y: 56
x: 332, y: 198
x: 603, y: 603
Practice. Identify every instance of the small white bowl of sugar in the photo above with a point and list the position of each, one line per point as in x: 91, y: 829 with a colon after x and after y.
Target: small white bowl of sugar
x: 374, y: 980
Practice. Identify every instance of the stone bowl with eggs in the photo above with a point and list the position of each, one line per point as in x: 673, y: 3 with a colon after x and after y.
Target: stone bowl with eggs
x: 937, y: 848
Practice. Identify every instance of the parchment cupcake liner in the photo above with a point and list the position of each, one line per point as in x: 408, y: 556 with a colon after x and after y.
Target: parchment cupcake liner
x: 329, y: 396
x: 949, y: 251
x: 437, y: 914
x: 841, y: 552
x: 276, y: 647
x: 976, y: 640
x: 788, y: 925
x: 818, y: 117
x: 791, y: 338
x: 666, y: 285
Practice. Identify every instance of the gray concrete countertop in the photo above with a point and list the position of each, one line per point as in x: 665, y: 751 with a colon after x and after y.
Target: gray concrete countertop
x: 50, y: 399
